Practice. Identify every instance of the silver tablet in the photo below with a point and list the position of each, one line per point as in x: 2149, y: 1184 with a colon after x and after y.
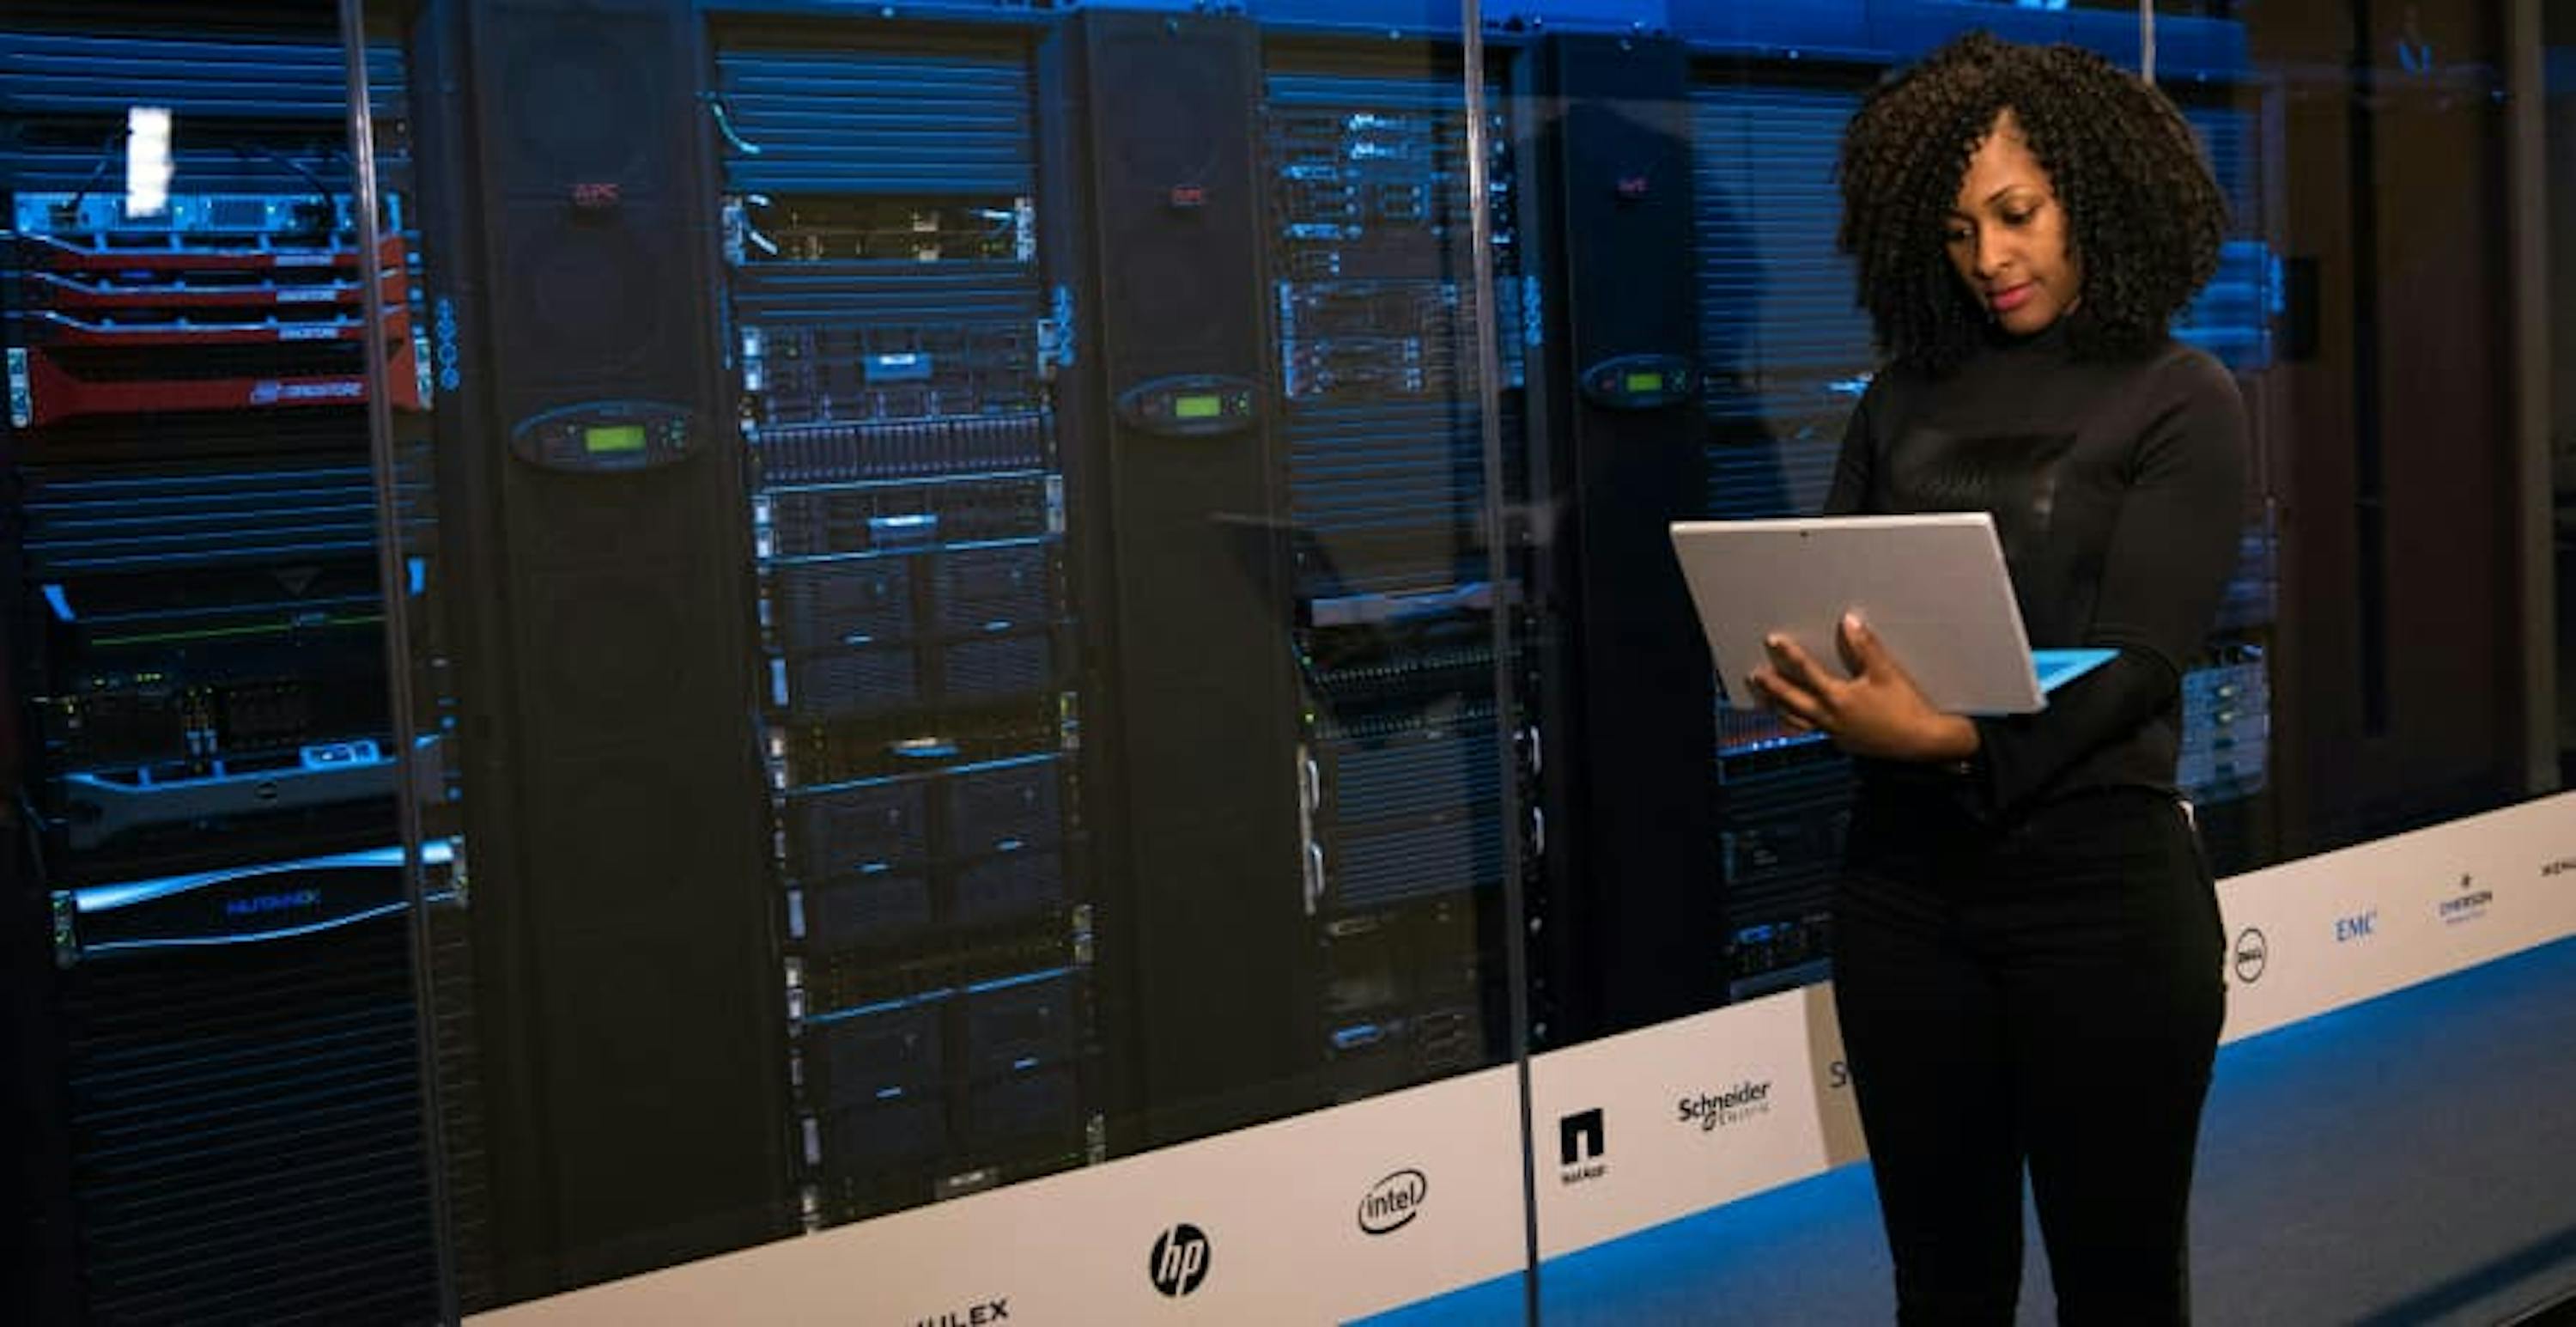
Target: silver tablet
x: 1934, y: 588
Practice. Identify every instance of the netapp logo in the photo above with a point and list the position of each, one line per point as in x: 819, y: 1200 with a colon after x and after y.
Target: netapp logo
x: 1581, y: 1138
x: 1737, y: 1104
x: 259, y: 904
x: 1180, y: 1260
x: 2351, y: 929
x: 2251, y: 954
x: 2468, y: 905
x: 979, y: 1315
x: 1391, y: 1204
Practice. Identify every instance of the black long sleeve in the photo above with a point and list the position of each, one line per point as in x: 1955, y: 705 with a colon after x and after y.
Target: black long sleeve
x: 2118, y: 491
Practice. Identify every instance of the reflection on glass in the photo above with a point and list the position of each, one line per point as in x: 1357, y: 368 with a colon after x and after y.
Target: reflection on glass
x: 1393, y: 596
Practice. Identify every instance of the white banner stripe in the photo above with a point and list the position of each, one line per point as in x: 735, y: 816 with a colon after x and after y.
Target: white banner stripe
x: 1691, y: 1114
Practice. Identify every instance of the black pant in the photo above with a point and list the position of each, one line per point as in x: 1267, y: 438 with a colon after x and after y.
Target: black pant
x: 2046, y: 992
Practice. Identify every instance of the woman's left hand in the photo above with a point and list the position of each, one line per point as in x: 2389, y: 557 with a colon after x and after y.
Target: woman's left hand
x: 1879, y: 712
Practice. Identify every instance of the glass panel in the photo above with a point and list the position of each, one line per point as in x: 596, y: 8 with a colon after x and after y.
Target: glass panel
x: 954, y: 615
x: 2307, y: 721
x: 2363, y: 672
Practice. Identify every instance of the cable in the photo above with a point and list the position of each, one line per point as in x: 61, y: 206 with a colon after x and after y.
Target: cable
x: 330, y: 200
x: 106, y: 158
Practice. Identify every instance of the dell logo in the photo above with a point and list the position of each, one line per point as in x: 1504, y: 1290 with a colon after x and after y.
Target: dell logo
x: 2251, y: 954
x: 1392, y: 1203
x: 1180, y: 1260
x: 2349, y: 929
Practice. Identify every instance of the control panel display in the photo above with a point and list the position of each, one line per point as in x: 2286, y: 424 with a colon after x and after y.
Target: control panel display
x: 1189, y: 407
x: 1638, y: 382
x: 613, y: 438
x: 606, y: 436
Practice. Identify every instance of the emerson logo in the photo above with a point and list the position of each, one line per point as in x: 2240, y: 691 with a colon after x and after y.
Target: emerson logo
x: 2251, y: 953
x: 1179, y: 1263
x: 1581, y: 1138
x: 1391, y: 1204
x: 1712, y: 1111
x: 2465, y: 904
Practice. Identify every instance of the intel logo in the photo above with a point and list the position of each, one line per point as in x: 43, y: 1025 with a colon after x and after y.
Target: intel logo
x: 1392, y: 1203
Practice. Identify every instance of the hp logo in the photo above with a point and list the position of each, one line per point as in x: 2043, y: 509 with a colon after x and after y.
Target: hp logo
x: 1180, y: 1260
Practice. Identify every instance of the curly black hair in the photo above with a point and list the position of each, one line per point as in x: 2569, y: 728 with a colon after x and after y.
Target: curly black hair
x: 2143, y: 212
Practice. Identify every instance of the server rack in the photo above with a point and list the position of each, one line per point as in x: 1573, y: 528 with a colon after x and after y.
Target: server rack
x: 208, y: 923
x: 1627, y: 915
x: 1787, y: 356
x: 1405, y: 707
x: 2227, y: 734
x: 897, y: 343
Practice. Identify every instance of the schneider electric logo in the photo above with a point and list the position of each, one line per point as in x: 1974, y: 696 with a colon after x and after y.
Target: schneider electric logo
x: 2467, y: 902
x: 1712, y: 1111
x: 1581, y: 1139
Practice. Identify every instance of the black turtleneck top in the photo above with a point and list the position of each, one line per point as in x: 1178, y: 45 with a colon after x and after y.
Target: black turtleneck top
x: 2118, y: 489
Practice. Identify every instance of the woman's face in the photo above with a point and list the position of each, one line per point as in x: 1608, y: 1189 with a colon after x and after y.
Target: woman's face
x: 2007, y: 235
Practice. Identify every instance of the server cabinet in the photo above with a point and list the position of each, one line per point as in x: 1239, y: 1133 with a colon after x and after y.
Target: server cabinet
x: 899, y: 349
x: 591, y: 554
x: 1410, y: 605
x: 215, y: 1078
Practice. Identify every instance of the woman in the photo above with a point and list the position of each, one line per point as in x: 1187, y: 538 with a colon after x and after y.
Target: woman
x: 2027, y: 948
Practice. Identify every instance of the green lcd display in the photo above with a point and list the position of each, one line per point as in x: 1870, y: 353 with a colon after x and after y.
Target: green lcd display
x: 613, y: 439
x: 1197, y: 407
x: 1645, y: 382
